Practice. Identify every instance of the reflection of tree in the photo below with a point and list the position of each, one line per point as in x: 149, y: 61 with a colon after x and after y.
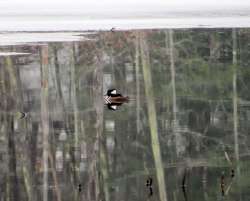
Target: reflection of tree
x: 137, y: 73
x: 74, y: 97
x: 58, y: 83
x: 235, y: 104
x: 55, y: 179
x: 100, y: 134
x: 58, y: 76
x: 45, y: 115
x: 13, y: 187
x: 27, y: 171
x: 152, y: 116
x: 170, y: 40
x: 195, y: 86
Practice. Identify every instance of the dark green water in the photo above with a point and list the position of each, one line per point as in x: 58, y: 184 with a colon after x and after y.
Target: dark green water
x: 200, y: 92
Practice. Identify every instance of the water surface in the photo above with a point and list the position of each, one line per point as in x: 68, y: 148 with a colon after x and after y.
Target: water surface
x: 186, y: 126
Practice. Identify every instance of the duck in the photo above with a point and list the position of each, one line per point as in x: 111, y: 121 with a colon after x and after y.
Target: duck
x: 113, y: 99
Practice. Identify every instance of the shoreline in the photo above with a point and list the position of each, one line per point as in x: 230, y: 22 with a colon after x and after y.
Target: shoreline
x: 78, y: 25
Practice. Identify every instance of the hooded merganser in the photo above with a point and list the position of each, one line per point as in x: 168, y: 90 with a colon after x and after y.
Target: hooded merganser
x: 112, y: 99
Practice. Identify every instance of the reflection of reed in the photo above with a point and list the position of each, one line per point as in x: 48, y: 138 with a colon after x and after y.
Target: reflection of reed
x: 149, y: 186
x: 222, y: 184
x: 225, y: 190
x: 204, y: 183
x: 152, y: 116
x: 235, y: 108
x: 235, y: 100
x: 184, y: 186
